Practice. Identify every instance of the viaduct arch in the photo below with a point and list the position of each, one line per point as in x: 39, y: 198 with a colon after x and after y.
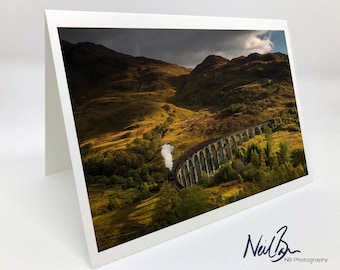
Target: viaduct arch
x: 208, y: 156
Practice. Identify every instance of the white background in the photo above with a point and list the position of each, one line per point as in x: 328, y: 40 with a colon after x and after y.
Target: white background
x: 40, y: 224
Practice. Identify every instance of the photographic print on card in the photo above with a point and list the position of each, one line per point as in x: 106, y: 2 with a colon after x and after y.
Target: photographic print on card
x: 174, y: 123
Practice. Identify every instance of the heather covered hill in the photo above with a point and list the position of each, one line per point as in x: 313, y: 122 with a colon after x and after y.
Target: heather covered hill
x: 94, y: 69
x: 218, y: 82
x: 117, y: 97
x: 125, y: 108
x: 116, y: 93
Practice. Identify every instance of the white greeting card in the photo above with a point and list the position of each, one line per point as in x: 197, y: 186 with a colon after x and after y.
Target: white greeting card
x: 169, y: 122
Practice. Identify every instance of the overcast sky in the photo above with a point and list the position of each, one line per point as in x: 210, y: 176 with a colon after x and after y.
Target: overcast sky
x: 183, y: 47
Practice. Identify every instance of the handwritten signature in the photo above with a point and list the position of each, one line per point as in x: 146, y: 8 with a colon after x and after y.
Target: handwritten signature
x: 276, y: 250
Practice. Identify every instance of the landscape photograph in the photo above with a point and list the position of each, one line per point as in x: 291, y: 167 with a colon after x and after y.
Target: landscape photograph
x: 174, y: 123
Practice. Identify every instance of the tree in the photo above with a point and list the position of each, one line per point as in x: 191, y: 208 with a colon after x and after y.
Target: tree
x: 145, y: 190
x: 225, y: 173
x: 109, y: 165
x: 283, y: 154
x: 298, y: 157
x: 272, y: 161
x: 250, y: 173
x: 129, y: 183
x: 205, y: 180
x: 94, y: 165
x: 194, y: 201
x: 149, y: 154
x: 263, y: 165
x: 255, y: 158
x: 167, y: 208
x: 250, y: 151
x: 270, y: 142
x: 238, y: 165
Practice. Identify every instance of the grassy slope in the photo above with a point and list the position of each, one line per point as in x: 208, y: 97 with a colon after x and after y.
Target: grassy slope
x: 113, y: 119
x: 131, y: 221
x: 117, y: 226
x: 189, y: 128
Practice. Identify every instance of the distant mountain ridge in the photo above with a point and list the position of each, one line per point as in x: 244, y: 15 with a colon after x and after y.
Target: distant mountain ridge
x: 92, y: 67
x: 123, y: 92
x: 89, y: 65
x: 209, y: 83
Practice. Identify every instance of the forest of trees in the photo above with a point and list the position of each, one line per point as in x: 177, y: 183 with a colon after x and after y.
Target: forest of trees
x: 137, y: 166
x: 262, y: 165
x: 174, y: 206
x: 257, y: 168
x: 254, y: 168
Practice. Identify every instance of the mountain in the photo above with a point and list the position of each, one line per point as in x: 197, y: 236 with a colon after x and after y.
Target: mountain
x: 210, y: 63
x: 112, y: 92
x: 93, y: 69
x: 117, y: 97
x: 218, y: 82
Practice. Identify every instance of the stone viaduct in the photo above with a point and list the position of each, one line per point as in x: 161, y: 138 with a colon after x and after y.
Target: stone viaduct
x: 209, y: 155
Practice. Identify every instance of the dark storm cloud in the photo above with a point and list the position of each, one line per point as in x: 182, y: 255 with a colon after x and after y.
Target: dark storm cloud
x: 183, y: 47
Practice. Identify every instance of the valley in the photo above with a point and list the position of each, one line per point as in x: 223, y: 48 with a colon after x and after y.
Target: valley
x: 125, y: 108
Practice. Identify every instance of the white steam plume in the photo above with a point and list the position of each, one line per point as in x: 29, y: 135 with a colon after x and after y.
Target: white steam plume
x: 166, y: 152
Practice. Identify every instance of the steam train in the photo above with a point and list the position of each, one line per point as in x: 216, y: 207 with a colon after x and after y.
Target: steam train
x: 171, y: 176
x: 172, y: 180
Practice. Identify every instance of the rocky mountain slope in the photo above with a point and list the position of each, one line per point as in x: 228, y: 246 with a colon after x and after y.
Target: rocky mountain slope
x: 118, y: 97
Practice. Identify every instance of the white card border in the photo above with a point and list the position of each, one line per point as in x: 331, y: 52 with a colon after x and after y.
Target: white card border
x: 60, y: 124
